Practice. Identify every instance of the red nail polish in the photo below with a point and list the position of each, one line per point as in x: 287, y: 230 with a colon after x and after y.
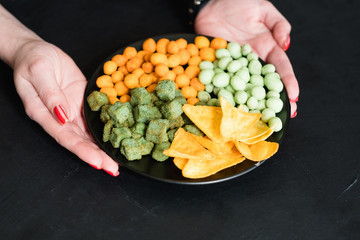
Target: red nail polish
x: 96, y: 167
x: 112, y: 174
x: 287, y: 43
x: 294, y: 115
x: 295, y: 100
x: 60, y: 114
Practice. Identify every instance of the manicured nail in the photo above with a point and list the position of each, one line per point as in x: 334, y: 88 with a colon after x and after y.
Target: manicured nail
x: 287, y: 43
x: 94, y: 166
x: 294, y: 115
x: 295, y: 100
x: 60, y: 114
x: 112, y: 174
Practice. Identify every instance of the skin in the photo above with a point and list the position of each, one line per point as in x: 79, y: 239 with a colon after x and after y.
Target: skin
x: 46, y: 77
x: 258, y: 23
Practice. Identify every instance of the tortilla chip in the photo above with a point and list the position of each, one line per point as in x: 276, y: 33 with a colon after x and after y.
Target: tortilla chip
x: 207, y: 119
x: 259, y: 151
x: 180, y: 162
x: 256, y: 130
x: 234, y: 121
x: 200, y: 169
x: 185, y: 146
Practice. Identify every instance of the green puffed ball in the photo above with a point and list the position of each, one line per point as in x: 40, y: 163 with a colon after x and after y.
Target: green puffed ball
x: 244, y: 74
x: 255, y: 67
x: 234, y: 49
x: 209, y: 87
x: 244, y: 61
x: 221, y: 80
x: 257, y: 80
x: 227, y: 95
x: 261, y: 104
x: 217, y: 90
x: 252, y: 56
x: 203, y: 96
x: 218, y: 70
x: 270, y: 94
x: 267, y: 68
x: 237, y: 83
x: 245, y: 49
x: 241, y: 97
x: 252, y: 103
x: 234, y: 66
x: 224, y: 62
x: 254, y: 111
x: 222, y: 52
x: 266, y: 114
x: 275, y: 123
x: 206, y: 65
x: 215, y: 63
x: 206, y: 75
x: 275, y: 104
x: 273, y: 83
x: 230, y: 89
x: 244, y: 107
x: 213, y: 102
x: 258, y: 92
x: 249, y: 86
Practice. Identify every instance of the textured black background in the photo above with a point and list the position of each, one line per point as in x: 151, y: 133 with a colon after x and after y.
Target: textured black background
x: 309, y: 190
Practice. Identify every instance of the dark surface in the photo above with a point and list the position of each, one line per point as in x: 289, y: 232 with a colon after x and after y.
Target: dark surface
x: 309, y: 190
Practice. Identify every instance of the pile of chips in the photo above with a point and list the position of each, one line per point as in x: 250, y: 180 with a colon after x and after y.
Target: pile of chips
x: 231, y: 136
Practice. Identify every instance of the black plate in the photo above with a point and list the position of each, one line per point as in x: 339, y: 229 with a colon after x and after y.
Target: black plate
x: 167, y: 171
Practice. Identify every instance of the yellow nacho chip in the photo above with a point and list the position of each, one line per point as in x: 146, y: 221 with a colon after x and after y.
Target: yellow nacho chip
x: 259, y: 151
x: 235, y: 121
x: 185, y: 146
x: 200, y: 169
x: 225, y: 148
x: 259, y: 128
x: 180, y: 162
x: 207, y: 119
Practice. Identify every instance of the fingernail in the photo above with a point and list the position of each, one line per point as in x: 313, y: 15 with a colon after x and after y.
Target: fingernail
x: 94, y: 166
x: 287, y: 43
x: 295, y: 100
x: 60, y: 114
x: 294, y: 115
x: 112, y: 174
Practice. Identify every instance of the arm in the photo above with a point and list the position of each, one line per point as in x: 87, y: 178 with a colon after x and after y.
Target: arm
x: 51, y: 87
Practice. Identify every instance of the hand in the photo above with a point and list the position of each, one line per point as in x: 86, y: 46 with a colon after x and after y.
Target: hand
x: 258, y: 23
x: 48, y: 81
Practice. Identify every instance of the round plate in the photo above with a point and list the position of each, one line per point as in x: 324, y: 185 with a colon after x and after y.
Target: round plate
x: 167, y: 171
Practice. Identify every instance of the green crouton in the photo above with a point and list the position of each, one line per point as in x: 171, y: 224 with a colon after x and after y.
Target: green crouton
x: 194, y: 130
x: 201, y: 104
x: 156, y: 131
x: 171, y: 134
x: 130, y: 149
x: 176, y: 122
x: 145, y: 113
x: 96, y: 100
x: 107, y: 130
x: 154, y: 97
x: 118, y: 134
x: 140, y: 96
x: 178, y: 93
x: 144, y: 146
x: 138, y: 130
x: 119, y: 112
x: 186, y: 119
x: 180, y: 100
x: 165, y: 90
x: 171, y: 110
x: 104, y: 115
x: 158, y: 154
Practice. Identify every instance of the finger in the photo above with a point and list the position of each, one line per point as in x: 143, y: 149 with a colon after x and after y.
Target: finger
x: 293, y: 107
x: 283, y: 66
x: 47, y: 85
x: 277, y: 24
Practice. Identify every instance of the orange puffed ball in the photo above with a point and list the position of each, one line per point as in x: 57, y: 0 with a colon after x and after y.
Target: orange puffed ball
x: 157, y: 58
x: 184, y: 56
x: 182, y: 43
x: 138, y: 72
x: 178, y: 70
x: 151, y: 88
x: 131, y: 81
x: 111, y: 92
x: 130, y: 52
x: 192, y: 71
x: 207, y: 54
x: 218, y: 42
x: 174, y: 60
x: 117, y: 76
x: 134, y: 63
x: 125, y: 98
x: 189, y: 92
x: 119, y: 59
x: 169, y: 76
x: 161, y: 45
x: 193, y: 49
x: 104, y: 81
x: 195, y: 60
x: 148, y: 67
x: 113, y: 100
x: 195, y: 83
x: 120, y: 88
x: 145, y: 80
x: 161, y: 69
x: 202, y: 42
x: 193, y: 100
x: 109, y: 67
x: 182, y: 80
x: 149, y: 45
x: 172, y: 47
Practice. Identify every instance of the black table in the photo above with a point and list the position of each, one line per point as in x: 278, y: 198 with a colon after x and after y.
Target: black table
x: 309, y: 190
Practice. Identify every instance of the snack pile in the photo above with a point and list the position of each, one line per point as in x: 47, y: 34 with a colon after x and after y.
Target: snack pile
x: 209, y: 104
